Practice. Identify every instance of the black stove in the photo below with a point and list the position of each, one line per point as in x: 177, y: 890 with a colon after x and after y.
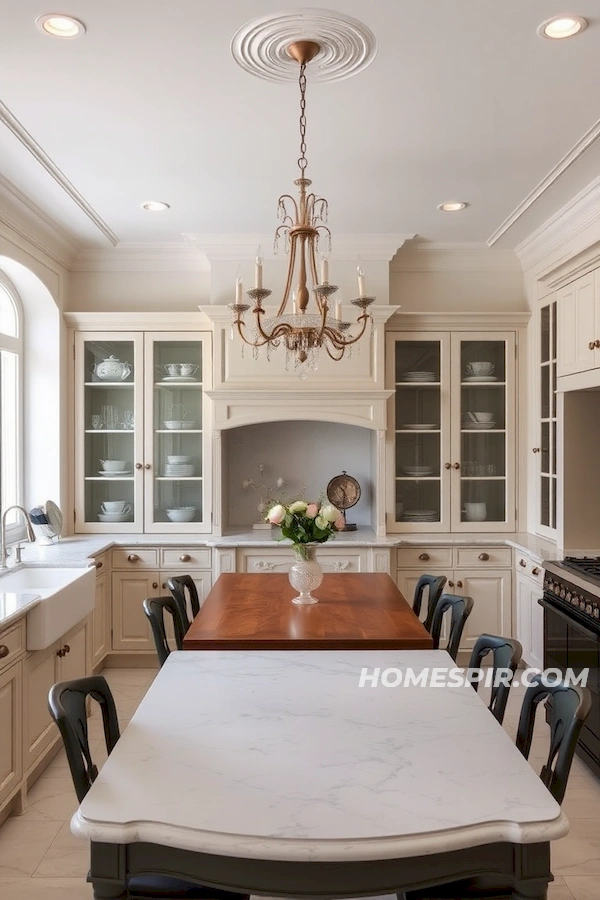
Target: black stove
x: 584, y: 565
x: 573, y: 584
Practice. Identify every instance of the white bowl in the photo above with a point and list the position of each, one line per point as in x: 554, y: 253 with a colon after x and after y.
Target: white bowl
x: 179, y: 424
x: 178, y: 460
x: 480, y: 368
x: 113, y: 465
x: 183, y: 514
x: 114, y: 506
x: 484, y: 416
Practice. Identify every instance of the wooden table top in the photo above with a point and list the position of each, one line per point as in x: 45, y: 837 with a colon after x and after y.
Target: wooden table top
x: 254, y: 611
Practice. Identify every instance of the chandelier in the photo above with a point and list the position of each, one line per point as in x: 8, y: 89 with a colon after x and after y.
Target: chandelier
x: 303, y: 229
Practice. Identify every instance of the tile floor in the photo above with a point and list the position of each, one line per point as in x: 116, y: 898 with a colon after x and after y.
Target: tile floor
x: 41, y: 860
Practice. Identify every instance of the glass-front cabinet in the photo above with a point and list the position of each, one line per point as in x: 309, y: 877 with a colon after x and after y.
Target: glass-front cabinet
x: 452, y: 451
x: 140, y: 429
x: 546, y: 443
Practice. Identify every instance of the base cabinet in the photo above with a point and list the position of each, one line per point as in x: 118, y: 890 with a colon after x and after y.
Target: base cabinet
x: 136, y: 576
x: 62, y: 661
x: 100, y: 617
x: 529, y: 613
x: 11, y: 711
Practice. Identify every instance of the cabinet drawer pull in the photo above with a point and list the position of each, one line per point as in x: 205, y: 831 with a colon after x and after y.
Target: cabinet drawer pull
x: 185, y: 557
x: 133, y: 557
x: 535, y: 571
x: 450, y: 584
x: 155, y: 584
x: 164, y: 585
x: 484, y: 557
x: 424, y: 556
x: 459, y: 584
x: 138, y: 465
x: 4, y: 651
x: 522, y: 563
x: 99, y: 565
x: 591, y: 345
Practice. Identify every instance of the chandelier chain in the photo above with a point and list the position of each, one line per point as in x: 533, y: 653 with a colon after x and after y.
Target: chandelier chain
x: 302, y: 161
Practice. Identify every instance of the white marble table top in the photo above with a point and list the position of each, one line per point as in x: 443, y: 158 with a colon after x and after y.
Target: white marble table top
x: 281, y: 755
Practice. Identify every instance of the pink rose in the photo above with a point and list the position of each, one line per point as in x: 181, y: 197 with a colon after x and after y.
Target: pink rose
x: 311, y: 510
x: 339, y: 523
x: 276, y: 514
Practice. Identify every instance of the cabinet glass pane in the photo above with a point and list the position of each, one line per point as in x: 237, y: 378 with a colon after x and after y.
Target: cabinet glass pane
x: 545, y: 389
x: 553, y: 497
x: 483, y: 500
x: 545, y: 501
x: 109, y: 372
x: 545, y: 461
x: 483, y: 361
x: 545, y: 354
x: 417, y: 415
x: 547, y: 433
x: 178, y: 463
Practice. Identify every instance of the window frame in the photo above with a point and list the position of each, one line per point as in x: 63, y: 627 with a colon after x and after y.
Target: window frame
x: 15, y: 344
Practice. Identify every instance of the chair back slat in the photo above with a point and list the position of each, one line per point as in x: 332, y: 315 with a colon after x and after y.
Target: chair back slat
x: 507, y: 654
x: 435, y: 585
x: 460, y: 610
x: 155, y: 609
x: 180, y: 585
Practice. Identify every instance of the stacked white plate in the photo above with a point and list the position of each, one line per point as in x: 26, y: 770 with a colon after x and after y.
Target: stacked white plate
x: 419, y: 376
x: 419, y: 426
x: 480, y: 378
x: 114, y: 517
x: 418, y: 471
x: 178, y: 470
x: 469, y: 425
x: 419, y: 515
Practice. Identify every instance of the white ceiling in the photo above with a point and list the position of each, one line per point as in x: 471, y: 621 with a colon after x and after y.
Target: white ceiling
x: 463, y: 100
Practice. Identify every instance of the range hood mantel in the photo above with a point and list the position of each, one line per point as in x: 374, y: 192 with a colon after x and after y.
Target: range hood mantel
x: 366, y: 409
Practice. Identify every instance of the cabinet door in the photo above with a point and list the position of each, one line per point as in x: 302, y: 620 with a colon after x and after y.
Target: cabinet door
x: 545, y: 449
x: 577, y: 327
x: 130, y: 627
x: 108, y: 432
x: 202, y: 580
x: 483, y: 432
x: 406, y: 579
x: 177, y: 455
x: 419, y: 438
x: 11, y: 708
x: 74, y: 660
x: 523, y: 612
x: 41, y: 672
x: 100, y: 622
x: 537, y: 627
x: 491, y: 593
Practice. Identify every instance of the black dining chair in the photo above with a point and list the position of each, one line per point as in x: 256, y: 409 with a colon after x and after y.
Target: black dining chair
x: 570, y: 707
x: 506, y: 655
x: 184, y: 590
x: 67, y: 703
x: 460, y: 610
x: 155, y: 609
x: 434, y: 584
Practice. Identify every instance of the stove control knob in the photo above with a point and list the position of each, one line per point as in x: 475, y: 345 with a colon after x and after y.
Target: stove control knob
x: 556, y: 588
x: 596, y: 613
x: 570, y: 597
x: 588, y: 608
x: 563, y: 591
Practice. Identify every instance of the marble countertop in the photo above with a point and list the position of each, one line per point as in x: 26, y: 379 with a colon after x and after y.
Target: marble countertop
x: 14, y: 605
x: 283, y: 756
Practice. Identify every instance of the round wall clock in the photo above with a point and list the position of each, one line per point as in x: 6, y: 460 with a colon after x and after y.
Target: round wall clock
x: 344, y: 491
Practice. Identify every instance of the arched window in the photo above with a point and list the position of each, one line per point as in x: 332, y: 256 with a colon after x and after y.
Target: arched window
x: 11, y: 390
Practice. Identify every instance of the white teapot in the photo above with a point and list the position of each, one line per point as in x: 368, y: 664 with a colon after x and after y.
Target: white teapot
x: 112, y: 369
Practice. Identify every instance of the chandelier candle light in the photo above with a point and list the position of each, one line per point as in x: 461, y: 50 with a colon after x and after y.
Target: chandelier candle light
x: 303, y: 225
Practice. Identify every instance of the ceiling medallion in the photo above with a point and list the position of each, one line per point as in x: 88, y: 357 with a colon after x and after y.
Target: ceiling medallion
x: 303, y: 229
x: 346, y: 46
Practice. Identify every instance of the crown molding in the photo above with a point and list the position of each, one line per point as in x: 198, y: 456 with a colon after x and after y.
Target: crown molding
x: 461, y: 321
x: 235, y: 247
x: 578, y: 149
x: 141, y: 257
x: 28, y: 141
x: 27, y: 221
x: 136, y: 321
x: 457, y: 257
x: 582, y: 211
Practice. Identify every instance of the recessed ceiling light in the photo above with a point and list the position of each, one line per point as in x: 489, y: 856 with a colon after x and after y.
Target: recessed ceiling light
x: 60, y: 26
x: 559, y: 27
x: 155, y: 205
x: 453, y: 206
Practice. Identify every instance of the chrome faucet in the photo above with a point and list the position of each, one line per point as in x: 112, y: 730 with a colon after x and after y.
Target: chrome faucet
x: 30, y: 534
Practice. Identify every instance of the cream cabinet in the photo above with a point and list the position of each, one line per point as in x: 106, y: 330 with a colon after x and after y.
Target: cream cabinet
x: 138, y: 573
x: 579, y: 325
x: 279, y: 559
x: 451, y: 441
x: 481, y: 573
x: 544, y: 413
x: 12, y: 647
x: 100, y: 617
x: 142, y: 456
x: 529, y: 586
x: 62, y: 661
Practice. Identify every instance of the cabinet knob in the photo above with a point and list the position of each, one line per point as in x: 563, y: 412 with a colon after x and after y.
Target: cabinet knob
x: 450, y: 584
x: 596, y: 343
x: 185, y: 557
x: 484, y: 557
x: 164, y: 585
x: 133, y: 557
x: 99, y: 564
x: 459, y: 584
x: 60, y: 652
x: 155, y: 584
x: 147, y: 466
x: 138, y: 465
x: 535, y: 571
x: 591, y: 345
x: 424, y: 557
x: 522, y: 563
x: 447, y: 465
x: 536, y: 450
x: 67, y: 649
x: 4, y: 651
x: 456, y: 466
